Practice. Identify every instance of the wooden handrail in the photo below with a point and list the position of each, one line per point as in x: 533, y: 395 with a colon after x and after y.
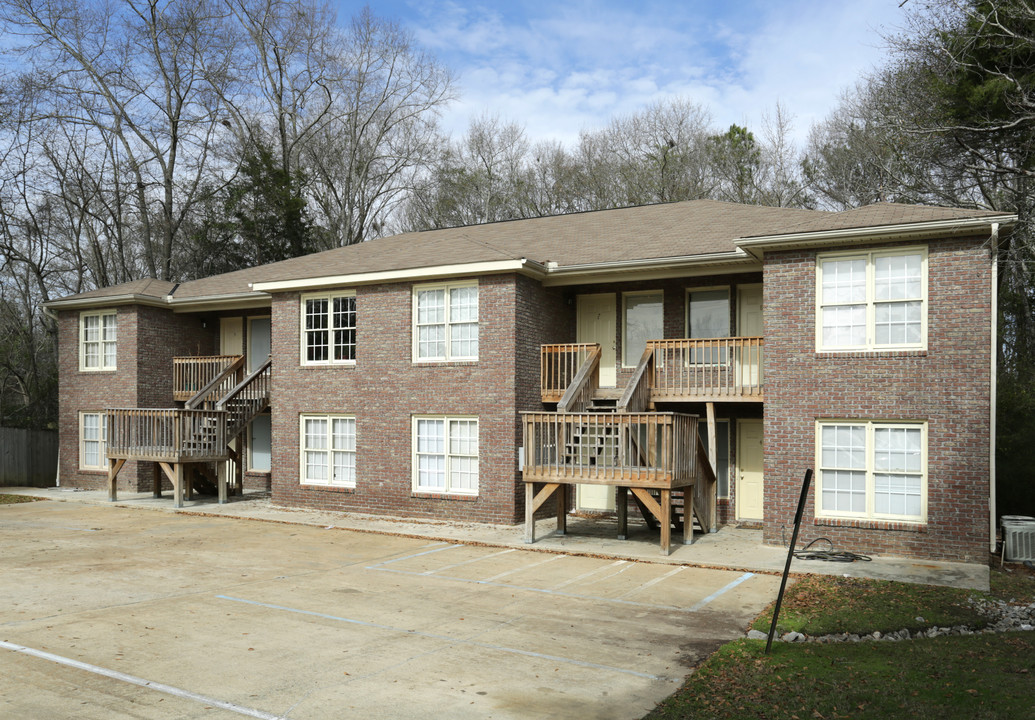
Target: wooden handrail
x: 191, y: 373
x: 636, y: 396
x: 166, y: 434
x: 217, y: 386
x: 705, y: 491
x: 558, y: 365
x: 714, y: 368
x: 247, y: 399
x: 579, y: 394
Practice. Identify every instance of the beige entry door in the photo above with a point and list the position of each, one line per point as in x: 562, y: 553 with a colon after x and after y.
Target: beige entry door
x: 749, y: 324
x: 231, y: 336
x: 749, y: 470
x: 596, y: 324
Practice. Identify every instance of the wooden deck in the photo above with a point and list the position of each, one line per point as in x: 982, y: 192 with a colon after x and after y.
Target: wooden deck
x: 633, y: 452
x: 195, y: 373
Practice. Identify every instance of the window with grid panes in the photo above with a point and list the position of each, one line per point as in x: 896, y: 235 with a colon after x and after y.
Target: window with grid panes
x: 445, y: 322
x: 328, y: 449
x: 97, y: 340
x: 329, y: 329
x: 93, y: 445
x: 872, y: 470
x: 872, y: 301
x: 445, y: 455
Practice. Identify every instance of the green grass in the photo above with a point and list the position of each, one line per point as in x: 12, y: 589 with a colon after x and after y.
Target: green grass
x: 980, y: 677
x: 14, y: 499
x: 823, y: 605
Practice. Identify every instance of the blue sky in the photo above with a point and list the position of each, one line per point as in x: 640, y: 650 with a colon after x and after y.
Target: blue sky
x: 561, y: 67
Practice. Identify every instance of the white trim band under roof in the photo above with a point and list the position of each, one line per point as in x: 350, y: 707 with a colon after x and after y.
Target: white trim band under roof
x: 904, y: 230
x: 436, y: 271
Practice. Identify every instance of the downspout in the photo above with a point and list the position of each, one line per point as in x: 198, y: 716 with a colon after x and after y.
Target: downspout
x: 57, y: 475
x: 992, y: 386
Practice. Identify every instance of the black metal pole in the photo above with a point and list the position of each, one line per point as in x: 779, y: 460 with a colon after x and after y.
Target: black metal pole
x: 790, y: 556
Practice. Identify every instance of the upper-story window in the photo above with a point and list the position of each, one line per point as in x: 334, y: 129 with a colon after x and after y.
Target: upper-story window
x: 329, y: 328
x: 872, y: 301
x: 97, y: 340
x: 643, y: 319
x: 445, y: 322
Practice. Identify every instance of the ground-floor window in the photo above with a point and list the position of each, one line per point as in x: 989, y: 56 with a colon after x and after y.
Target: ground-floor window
x: 328, y: 450
x: 722, y: 450
x: 445, y: 455
x: 93, y: 441
x: 872, y: 470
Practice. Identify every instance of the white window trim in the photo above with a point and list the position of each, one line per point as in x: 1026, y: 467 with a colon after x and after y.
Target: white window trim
x: 303, y: 348
x: 870, y: 514
x: 103, y: 450
x: 448, y: 288
x: 625, y: 308
x: 446, y: 419
x: 870, y: 256
x: 329, y: 417
x: 100, y: 314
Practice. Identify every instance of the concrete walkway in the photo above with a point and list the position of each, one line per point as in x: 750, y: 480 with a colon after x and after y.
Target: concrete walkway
x: 731, y: 548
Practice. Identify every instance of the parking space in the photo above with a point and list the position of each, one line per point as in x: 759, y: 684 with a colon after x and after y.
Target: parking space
x: 112, y: 612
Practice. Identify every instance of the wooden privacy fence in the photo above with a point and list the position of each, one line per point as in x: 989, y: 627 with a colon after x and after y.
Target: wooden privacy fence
x: 28, y: 457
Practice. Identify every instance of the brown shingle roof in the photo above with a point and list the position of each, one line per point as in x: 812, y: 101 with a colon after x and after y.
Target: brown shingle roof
x: 683, y: 229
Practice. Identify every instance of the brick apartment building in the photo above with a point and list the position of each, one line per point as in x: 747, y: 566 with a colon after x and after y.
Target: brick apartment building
x: 704, y: 347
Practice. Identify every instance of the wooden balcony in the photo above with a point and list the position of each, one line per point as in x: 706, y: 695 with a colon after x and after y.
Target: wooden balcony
x: 712, y: 370
x: 167, y: 435
x: 191, y: 374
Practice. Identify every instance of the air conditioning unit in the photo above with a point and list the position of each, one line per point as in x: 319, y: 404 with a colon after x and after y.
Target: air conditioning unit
x: 1018, y: 538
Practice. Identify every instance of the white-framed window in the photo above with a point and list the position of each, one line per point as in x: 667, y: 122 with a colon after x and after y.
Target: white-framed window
x: 93, y: 441
x: 871, y: 469
x: 97, y: 341
x: 445, y: 322
x: 445, y: 455
x: 329, y: 328
x: 873, y: 300
x: 328, y: 450
x: 708, y: 317
x: 643, y: 319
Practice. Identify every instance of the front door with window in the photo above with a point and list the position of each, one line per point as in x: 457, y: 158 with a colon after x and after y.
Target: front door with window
x: 749, y: 470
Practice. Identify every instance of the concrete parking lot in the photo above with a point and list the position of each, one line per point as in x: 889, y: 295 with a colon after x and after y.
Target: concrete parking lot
x: 109, y: 612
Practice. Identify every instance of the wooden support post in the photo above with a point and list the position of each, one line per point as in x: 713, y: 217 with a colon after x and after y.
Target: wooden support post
x: 178, y: 485
x: 712, y: 511
x: 114, y: 465
x: 529, y: 512
x: 221, y: 481
x: 688, y: 515
x: 622, y: 506
x: 665, y: 519
x: 562, y: 509
x: 713, y: 453
x: 157, y: 480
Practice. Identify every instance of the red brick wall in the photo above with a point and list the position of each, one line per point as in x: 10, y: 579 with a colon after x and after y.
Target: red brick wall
x: 947, y: 385
x: 147, y: 340
x: 384, y: 390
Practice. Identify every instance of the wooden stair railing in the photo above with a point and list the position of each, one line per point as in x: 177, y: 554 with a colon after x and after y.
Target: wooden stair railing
x: 636, y: 397
x: 246, y: 400
x: 579, y: 394
x: 217, y: 387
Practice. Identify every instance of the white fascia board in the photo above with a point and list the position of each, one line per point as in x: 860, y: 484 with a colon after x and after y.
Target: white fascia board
x: 105, y: 301
x: 652, y: 268
x: 758, y: 245
x: 426, y: 273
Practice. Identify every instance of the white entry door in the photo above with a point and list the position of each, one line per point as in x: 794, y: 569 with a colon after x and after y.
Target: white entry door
x: 231, y: 336
x: 749, y: 470
x: 597, y: 317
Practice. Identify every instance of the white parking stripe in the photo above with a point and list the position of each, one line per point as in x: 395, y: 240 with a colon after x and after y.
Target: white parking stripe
x: 133, y: 680
x: 721, y: 591
x: 591, y: 573
x: 468, y: 562
x: 524, y: 567
x: 443, y: 546
x: 651, y: 583
x: 447, y: 638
